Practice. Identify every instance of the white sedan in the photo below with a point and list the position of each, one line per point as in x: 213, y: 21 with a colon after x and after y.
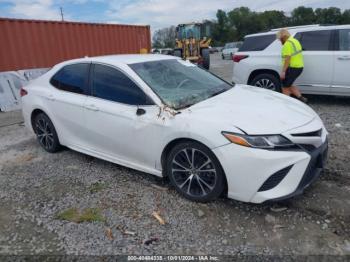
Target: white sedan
x: 167, y: 117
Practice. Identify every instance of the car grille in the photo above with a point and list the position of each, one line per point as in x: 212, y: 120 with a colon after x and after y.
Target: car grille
x: 275, y: 179
x: 316, y: 163
x: 307, y: 147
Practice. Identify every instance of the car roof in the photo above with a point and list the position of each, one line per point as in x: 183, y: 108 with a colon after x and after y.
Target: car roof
x: 121, y: 59
x: 303, y: 28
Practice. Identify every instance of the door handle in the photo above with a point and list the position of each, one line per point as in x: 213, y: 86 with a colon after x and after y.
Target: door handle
x: 344, y: 58
x: 92, y: 107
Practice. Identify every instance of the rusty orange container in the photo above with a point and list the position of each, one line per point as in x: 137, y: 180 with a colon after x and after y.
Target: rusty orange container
x: 26, y: 44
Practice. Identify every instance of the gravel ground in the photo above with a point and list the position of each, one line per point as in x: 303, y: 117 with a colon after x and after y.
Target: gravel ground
x: 35, y: 187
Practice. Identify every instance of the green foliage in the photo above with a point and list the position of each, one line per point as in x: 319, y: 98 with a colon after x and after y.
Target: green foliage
x: 345, y: 18
x: 237, y: 23
x: 303, y: 16
x: 87, y: 215
x: 330, y: 15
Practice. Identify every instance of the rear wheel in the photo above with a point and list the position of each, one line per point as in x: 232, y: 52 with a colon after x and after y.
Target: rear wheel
x: 267, y: 81
x: 46, y: 133
x: 195, y: 172
x: 206, y: 58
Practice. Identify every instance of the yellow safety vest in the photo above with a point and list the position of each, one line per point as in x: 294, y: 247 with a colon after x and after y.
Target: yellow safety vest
x: 293, y: 48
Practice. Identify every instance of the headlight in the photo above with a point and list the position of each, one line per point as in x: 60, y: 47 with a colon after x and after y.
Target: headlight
x: 264, y: 141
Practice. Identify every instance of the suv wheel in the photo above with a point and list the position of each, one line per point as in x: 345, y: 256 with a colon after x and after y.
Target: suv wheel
x: 267, y: 81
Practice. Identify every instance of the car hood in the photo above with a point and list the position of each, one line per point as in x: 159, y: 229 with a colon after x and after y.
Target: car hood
x: 255, y: 110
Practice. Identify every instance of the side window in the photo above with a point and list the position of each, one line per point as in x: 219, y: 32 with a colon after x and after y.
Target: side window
x: 315, y: 40
x: 298, y: 36
x: 111, y: 84
x: 72, y: 78
x: 344, y: 40
x: 257, y: 43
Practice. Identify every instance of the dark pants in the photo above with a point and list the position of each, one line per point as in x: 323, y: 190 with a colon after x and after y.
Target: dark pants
x: 291, y: 75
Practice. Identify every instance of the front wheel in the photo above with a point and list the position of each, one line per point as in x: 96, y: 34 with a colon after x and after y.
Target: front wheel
x: 46, y: 133
x: 267, y: 81
x: 195, y: 172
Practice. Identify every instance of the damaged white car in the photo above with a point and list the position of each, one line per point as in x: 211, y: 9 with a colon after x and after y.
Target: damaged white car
x: 168, y: 117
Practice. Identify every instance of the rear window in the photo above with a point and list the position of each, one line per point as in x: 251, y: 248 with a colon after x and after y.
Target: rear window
x: 257, y: 43
x: 71, y: 78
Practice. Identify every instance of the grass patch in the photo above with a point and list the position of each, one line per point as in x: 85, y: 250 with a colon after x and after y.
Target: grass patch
x: 86, y: 215
x: 96, y: 187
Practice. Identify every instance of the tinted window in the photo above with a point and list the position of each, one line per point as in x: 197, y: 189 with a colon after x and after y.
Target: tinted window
x: 71, y: 78
x: 111, y: 84
x: 315, y: 40
x: 344, y: 40
x: 257, y: 43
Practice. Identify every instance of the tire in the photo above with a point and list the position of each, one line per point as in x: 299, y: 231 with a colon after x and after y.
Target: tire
x: 178, y: 53
x: 204, y: 182
x: 46, y: 133
x: 206, y: 58
x: 267, y: 81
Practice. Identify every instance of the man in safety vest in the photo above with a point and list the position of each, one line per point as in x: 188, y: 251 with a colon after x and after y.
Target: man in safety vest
x: 293, y: 64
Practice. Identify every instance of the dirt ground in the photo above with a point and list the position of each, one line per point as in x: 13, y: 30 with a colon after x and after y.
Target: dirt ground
x: 38, y: 190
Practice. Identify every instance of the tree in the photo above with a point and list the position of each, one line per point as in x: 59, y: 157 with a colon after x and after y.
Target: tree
x: 237, y: 23
x: 164, y: 38
x: 303, y: 16
x: 331, y: 15
x: 345, y: 18
x: 243, y: 21
x: 272, y: 19
x: 221, y: 32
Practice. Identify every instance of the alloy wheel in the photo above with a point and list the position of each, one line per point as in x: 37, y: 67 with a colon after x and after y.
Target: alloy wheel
x: 44, y: 133
x: 194, y: 172
x: 265, y: 83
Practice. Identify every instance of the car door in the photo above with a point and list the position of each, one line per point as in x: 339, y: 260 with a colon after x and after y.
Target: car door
x: 122, y: 121
x: 66, y: 101
x: 318, y: 61
x: 341, y: 76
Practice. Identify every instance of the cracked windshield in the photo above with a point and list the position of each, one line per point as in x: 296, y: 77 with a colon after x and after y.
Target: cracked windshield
x: 178, y: 83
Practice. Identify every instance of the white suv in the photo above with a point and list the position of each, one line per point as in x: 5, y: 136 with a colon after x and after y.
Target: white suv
x: 326, y: 51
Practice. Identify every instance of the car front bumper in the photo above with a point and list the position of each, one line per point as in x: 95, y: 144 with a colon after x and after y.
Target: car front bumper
x: 312, y: 172
x: 249, y: 170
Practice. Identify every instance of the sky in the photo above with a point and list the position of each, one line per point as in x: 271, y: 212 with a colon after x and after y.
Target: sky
x: 157, y: 13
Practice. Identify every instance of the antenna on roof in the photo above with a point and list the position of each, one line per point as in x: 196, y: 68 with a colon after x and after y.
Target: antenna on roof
x: 61, y: 9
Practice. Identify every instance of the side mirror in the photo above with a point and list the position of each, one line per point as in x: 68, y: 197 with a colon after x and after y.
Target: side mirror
x: 140, y: 111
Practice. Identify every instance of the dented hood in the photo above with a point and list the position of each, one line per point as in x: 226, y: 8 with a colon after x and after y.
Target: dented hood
x: 255, y: 110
